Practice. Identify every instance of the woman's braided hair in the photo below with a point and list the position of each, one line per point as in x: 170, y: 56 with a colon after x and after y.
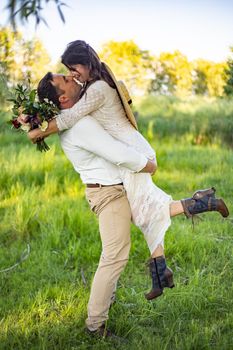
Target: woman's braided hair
x: 79, y: 52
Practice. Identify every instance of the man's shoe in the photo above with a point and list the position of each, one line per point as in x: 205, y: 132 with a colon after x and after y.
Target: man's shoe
x: 203, y: 201
x: 101, y: 332
x: 162, y: 277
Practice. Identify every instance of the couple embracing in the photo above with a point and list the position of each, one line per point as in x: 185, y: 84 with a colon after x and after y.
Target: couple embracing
x: 99, y: 135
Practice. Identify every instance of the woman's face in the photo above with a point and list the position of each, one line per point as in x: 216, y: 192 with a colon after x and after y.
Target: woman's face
x: 80, y: 72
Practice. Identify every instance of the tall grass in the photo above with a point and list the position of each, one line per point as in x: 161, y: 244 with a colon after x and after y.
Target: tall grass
x: 43, y: 300
x: 199, y: 120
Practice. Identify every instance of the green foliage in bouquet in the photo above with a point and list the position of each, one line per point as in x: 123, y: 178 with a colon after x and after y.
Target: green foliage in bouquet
x: 38, y: 114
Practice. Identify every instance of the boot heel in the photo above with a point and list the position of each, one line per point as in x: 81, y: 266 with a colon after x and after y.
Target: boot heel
x: 168, y: 278
x: 170, y: 283
x: 222, y: 208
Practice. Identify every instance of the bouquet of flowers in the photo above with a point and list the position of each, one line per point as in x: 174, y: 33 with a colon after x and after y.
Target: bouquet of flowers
x: 37, y: 113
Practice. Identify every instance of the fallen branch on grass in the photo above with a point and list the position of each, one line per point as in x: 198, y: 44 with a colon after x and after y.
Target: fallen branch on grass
x: 23, y: 257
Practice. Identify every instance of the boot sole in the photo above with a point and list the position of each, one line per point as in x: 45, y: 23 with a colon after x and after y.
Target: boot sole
x: 151, y: 296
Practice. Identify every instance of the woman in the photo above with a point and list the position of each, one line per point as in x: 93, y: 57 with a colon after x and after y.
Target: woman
x: 151, y: 208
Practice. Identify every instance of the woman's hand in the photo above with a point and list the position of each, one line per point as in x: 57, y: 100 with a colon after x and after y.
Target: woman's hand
x: 151, y: 167
x: 36, y: 134
x: 22, y: 119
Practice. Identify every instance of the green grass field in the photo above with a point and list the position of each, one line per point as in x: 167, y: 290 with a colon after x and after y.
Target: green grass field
x: 47, y: 227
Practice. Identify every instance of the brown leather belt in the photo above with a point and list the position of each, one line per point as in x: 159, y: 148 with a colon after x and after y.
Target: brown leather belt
x: 99, y: 185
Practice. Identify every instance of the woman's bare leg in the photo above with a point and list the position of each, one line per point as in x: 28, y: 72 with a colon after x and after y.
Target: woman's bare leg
x: 176, y: 208
x: 209, y: 202
x: 159, y: 251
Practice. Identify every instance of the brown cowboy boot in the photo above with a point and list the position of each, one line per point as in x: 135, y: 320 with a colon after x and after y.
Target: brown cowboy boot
x: 162, y: 277
x: 202, y: 201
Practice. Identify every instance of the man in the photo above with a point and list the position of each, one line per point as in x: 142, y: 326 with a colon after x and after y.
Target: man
x: 107, y: 199
x: 97, y: 156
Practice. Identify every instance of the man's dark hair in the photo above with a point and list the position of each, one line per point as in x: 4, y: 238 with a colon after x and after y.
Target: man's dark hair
x: 47, y: 90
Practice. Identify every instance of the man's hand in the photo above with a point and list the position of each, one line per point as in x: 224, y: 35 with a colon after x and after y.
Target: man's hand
x: 150, y: 167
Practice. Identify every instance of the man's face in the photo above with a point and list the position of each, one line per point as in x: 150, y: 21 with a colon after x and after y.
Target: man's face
x: 69, y: 88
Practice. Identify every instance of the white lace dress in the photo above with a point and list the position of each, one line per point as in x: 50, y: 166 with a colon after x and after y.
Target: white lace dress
x: 149, y: 204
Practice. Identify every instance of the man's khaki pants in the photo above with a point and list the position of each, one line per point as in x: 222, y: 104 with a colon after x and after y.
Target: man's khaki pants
x: 112, y: 207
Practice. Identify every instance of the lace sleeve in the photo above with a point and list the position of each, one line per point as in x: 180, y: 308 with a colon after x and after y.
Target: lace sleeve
x: 92, y: 100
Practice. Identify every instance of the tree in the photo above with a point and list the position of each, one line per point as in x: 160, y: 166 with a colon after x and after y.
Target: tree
x: 200, y: 72
x: 172, y: 74
x: 20, y: 60
x: 8, y: 44
x: 35, y: 61
x: 216, y: 79
x: 61, y: 69
x: 228, y: 88
x: 161, y: 82
x: 3, y: 88
x: 208, y: 78
x: 25, y: 9
x: 175, y: 75
x: 129, y: 63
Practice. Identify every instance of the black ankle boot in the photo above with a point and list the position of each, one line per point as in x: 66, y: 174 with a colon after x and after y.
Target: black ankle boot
x: 162, y: 277
x: 203, y: 201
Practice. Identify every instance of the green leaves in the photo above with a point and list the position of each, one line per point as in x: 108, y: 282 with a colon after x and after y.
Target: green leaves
x: 32, y: 96
x: 26, y: 102
x: 26, y: 9
x: 38, y: 113
x: 228, y: 88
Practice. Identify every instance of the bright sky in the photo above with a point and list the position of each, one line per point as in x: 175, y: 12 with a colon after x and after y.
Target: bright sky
x: 198, y: 28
